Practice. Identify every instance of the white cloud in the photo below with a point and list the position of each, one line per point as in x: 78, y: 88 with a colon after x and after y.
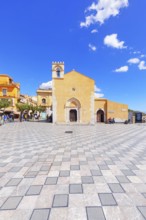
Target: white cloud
x: 122, y: 69
x: 92, y: 47
x: 133, y: 61
x: 103, y: 10
x: 136, y: 52
x: 94, y: 31
x: 112, y: 41
x: 143, y: 55
x: 46, y: 85
x: 96, y: 89
x: 142, y: 65
x: 98, y: 95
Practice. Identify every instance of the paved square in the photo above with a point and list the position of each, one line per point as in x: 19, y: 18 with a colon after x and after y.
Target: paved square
x: 94, y: 173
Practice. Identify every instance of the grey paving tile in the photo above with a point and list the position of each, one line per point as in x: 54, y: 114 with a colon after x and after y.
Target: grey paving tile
x: 96, y: 173
x: 40, y: 214
x: 107, y: 199
x: 144, y: 194
x: 122, y: 179
x: 31, y: 174
x: 57, y: 163
x: 75, y: 188
x: 95, y: 213
x: 90, y: 158
x: 109, y: 162
x: 75, y: 167
x: 142, y: 210
x: 103, y: 167
x: 128, y: 172
x: 116, y: 188
x: 11, y: 203
x: 28, y: 164
x: 132, y: 167
x: 60, y: 200
x: 34, y: 190
x: 64, y: 173
x: 45, y: 168
x: 87, y: 179
x: 16, y: 160
x: 65, y: 159
x: 83, y: 162
x: 51, y: 181
x: 15, y: 169
x: 3, y: 164
x: 14, y: 182
x: 2, y: 174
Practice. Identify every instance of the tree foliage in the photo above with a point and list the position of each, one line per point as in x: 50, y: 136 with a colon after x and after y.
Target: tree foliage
x: 27, y: 107
x: 4, y: 103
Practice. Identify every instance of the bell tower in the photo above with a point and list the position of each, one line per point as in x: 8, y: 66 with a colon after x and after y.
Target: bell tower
x: 57, y: 70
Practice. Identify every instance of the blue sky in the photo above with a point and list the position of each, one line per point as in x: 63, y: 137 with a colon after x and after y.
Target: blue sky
x: 104, y: 39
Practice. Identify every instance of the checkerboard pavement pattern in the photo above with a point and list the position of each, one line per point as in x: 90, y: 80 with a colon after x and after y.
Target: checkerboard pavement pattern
x: 92, y: 173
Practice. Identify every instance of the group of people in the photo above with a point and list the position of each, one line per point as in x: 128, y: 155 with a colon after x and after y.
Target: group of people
x: 26, y: 117
x: 4, y: 118
x: 111, y: 121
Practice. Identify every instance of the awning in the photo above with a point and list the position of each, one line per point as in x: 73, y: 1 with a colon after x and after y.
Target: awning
x: 16, y: 113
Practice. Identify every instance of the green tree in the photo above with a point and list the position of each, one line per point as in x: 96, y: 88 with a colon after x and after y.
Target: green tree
x: 26, y: 107
x: 5, y: 103
x: 41, y: 108
x: 23, y: 107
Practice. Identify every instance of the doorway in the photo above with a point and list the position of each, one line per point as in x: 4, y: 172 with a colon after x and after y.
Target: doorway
x: 73, y: 115
x: 100, y: 116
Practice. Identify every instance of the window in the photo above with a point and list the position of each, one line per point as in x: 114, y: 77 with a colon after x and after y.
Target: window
x: 44, y: 101
x: 58, y: 72
x: 4, y: 91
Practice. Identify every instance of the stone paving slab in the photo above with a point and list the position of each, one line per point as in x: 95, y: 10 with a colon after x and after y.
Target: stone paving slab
x: 95, y: 213
x: 107, y: 199
x: 75, y: 188
x: 34, y: 190
x: 95, y: 172
x: 40, y: 214
x: 11, y: 203
x: 60, y: 201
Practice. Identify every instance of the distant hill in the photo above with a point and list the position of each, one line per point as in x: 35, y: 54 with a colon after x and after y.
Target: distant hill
x: 135, y: 111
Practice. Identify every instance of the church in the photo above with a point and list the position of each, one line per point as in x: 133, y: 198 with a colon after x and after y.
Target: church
x: 71, y: 99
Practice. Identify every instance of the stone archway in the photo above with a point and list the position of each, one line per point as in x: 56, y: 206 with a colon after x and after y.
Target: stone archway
x: 72, y: 110
x: 100, y: 115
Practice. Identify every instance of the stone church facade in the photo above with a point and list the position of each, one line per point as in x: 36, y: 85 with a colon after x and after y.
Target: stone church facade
x: 72, y: 99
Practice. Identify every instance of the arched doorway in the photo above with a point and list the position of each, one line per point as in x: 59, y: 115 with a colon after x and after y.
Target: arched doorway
x: 72, y: 110
x: 100, y: 115
x: 73, y: 115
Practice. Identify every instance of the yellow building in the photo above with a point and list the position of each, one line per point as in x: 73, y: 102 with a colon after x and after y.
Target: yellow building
x: 30, y: 100
x: 72, y: 99
x: 44, y: 98
x: 9, y: 90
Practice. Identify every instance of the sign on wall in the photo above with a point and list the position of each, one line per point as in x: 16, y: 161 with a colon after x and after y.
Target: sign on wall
x: 138, y: 117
